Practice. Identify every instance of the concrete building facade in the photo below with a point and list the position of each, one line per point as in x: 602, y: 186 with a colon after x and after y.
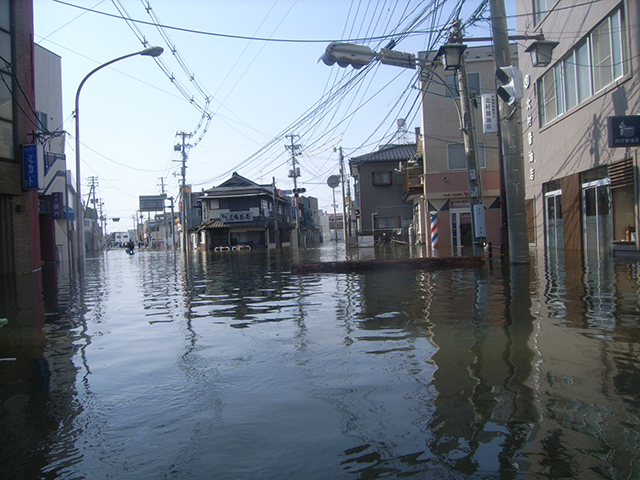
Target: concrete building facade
x: 57, y: 195
x: 381, y: 211
x: 19, y: 222
x: 582, y: 190
x: 445, y: 198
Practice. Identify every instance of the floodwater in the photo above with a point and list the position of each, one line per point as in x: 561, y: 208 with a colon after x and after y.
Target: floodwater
x: 229, y: 366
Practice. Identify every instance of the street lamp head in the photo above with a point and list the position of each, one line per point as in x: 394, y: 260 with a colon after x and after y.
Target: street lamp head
x: 451, y: 54
x: 541, y: 51
x: 152, y: 52
x: 345, y: 54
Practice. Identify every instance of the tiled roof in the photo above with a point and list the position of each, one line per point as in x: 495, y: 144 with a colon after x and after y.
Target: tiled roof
x: 386, y: 154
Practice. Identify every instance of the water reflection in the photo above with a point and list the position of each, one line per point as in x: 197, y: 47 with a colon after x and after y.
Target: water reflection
x: 160, y: 365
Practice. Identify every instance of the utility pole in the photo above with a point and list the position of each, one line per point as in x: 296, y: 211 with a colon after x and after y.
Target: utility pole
x: 173, y: 237
x: 344, y: 209
x: 164, y: 213
x: 295, y: 173
x: 476, y: 204
x: 275, y: 211
x: 511, y: 143
x: 182, y: 147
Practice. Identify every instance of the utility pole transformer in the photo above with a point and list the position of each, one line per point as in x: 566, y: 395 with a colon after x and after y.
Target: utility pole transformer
x: 513, y: 164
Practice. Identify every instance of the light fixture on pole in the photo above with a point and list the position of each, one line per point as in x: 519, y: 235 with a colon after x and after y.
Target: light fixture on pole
x: 147, y: 52
x: 541, y: 51
x: 451, y: 55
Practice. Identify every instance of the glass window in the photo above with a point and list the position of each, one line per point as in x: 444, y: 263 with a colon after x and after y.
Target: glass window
x: 5, y: 15
x: 601, y: 56
x: 6, y: 100
x: 547, y: 95
x: 6, y: 140
x: 5, y: 51
x: 473, y: 84
x: 616, y: 44
x: 540, y: 9
x: 583, y: 67
x: 382, y: 178
x: 570, y: 85
x: 387, y: 222
x: 214, y: 204
x: 457, y: 160
x: 41, y: 122
x: 559, y: 90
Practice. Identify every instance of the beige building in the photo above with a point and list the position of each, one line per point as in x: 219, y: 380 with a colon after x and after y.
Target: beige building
x: 445, y: 205
x: 582, y: 178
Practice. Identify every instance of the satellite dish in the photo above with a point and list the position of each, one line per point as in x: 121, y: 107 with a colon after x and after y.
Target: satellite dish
x: 333, y: 181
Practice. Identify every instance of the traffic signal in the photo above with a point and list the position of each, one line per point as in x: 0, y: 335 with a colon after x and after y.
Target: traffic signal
x: 297, y: 191
x: 512, y: 88
x: 345, y: 54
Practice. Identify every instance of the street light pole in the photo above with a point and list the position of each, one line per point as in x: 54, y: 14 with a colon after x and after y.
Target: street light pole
x: 148, y: 52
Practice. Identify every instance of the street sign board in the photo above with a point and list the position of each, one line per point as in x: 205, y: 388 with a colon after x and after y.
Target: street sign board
x: 624, y: 131
x: 333, y: 181
x: 152, y: 203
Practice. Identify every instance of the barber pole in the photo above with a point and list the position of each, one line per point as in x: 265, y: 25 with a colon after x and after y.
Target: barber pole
x: 434, y: 230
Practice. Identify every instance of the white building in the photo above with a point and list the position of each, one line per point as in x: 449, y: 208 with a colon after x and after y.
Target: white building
x: 57, y: 192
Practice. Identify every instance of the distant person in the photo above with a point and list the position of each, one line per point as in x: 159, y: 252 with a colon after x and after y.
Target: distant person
x: 130, y: 246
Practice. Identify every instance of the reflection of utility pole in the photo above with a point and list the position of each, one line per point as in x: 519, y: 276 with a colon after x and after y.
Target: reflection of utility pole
x: 182, y: 147
x: 295, y: 173
x: 513, y: 165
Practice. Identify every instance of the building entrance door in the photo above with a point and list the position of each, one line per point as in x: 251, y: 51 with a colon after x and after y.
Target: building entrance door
x: 598, y: 227
x: 461, y: 233
x: 553, y: 207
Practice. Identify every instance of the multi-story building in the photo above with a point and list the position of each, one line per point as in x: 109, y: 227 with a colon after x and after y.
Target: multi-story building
x: 57, y: 193
x: 582, y: 182
x: 442, y: 197
x: 381, y: 211
x: 19, y: 215
x: 240, y: 212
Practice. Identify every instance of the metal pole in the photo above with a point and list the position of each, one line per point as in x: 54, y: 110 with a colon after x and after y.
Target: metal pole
x: 335, y: 217
x: 344, y: 209
x: 153, y: 52
x: 275, y: 212
x: 511, y: 143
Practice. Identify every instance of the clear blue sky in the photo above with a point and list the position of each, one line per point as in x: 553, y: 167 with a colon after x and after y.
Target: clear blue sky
x: 259, y: 90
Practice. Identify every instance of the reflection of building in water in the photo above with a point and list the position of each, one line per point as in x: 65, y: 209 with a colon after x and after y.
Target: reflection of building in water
x: 586, y: 374
x: 482, y: 362
x: 36, y: 378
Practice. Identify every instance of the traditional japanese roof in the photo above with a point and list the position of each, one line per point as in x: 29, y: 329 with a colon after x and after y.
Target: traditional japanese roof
x: 258, y: 222
x: 388, y: 153
x: 238, y: 186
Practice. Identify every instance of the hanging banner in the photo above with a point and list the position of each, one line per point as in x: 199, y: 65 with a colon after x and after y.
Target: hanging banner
x: 489, y: 113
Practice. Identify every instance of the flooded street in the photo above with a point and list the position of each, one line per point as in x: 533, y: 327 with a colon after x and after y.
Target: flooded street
x: 229, y: 366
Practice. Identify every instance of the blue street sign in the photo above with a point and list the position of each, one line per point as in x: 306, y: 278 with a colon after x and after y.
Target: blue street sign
x: 30, y: 167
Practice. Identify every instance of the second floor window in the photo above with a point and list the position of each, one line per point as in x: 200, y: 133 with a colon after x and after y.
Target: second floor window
x: 473, y: 84
x: 589, y: 67
x: 457, y: 160
x: 382, y: 178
